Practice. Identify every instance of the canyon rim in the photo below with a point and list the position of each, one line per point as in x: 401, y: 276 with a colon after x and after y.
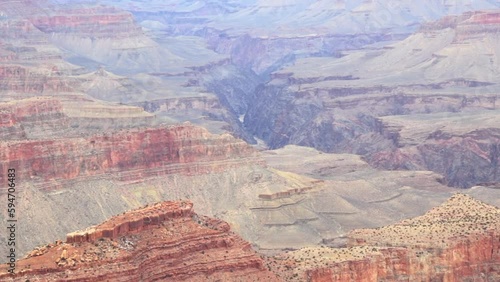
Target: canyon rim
x: 249, y: 140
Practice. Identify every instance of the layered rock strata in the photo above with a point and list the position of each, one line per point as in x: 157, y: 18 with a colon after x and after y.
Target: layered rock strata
x: 462, y: 146
x: 339, y: 104
x: 457, y: 241
x: 126, y: 154
x: 161, y: 242
x: 19, y: 118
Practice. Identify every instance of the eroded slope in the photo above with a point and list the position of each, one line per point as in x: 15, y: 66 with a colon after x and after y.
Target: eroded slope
x: 161, y: 242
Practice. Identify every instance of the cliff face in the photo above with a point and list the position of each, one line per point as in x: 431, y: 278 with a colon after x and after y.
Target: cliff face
x: 165, y: 241
x: 343, y: 105
x: 457, y: 241
x: 101, y: 34
x: 28, y: 81
x: 20, y: 119
x: 95, y: 21
x: 467, y: 159
x: 460, y: 239
x: 142, y: 152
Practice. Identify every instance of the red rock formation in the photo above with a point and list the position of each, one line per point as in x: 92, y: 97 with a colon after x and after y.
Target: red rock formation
x: 457, y: 241
x: 18, y: 116
x: 28, y: 109
x: 477, y: 25
x: 162, y: 242
x: 51, y: 18
x: 131, y: 154
x: 486, y: 18
x: 98, y: 21
x: 468, y: 18
x: 471, y: 157
x: 131, y: 222
x: 25, y: 80
x: 389, y: 265
x: 460, y: 240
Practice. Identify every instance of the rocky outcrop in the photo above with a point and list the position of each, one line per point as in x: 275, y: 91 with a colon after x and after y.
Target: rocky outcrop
x: 457, y: 241
x: 466, y: 159
x: 99, y: 21
x: 27, y: 81
x: 127, y: 154
x: 132, y: 222
x: 20, y: 118
x: 165, y: 241
x: 460, y: 239
x: 469, y: 25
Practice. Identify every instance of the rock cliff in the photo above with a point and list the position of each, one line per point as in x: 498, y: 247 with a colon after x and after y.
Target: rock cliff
x: 287, y: 31
x: 340, y: 104
x: 462, y: 146
x: 117, y: 84
x: 457, y: 241
x: 20, y: 119
x: 161, y: 242
x: 134, y: 154
x: 98, y: 21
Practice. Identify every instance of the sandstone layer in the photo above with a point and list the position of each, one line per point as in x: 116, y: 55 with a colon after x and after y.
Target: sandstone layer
x: 157, y: 151
x: 77, y: 134
x: 457, y: 241
x: 162, y: 242
x: 72, y: 51
x: 93, y: 147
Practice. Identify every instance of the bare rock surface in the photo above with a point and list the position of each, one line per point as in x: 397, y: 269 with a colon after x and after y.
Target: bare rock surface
x: 456, y: 241
x: 161, y: 242
x: 391, y: 103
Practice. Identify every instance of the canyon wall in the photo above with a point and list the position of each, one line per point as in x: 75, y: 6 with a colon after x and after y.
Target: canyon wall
x: 344, y: 105
x: 165, y: 241
x: 157, y: 151
x: 19, y: 120
x: 457, y: 241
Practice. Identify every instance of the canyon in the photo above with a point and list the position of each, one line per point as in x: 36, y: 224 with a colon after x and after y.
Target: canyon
x: 162, y: 242
x: 307, y: 131
x: 370, y: 98
x: 441, y: 244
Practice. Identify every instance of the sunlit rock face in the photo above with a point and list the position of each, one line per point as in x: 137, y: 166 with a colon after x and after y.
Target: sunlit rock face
x: 166, y: 241
x: 122, y: 151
